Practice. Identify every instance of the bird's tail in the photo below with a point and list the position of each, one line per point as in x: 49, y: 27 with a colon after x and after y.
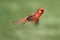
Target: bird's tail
x: 19, y: 21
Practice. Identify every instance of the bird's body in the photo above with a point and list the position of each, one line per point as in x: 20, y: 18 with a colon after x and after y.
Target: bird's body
x: 34, y: 17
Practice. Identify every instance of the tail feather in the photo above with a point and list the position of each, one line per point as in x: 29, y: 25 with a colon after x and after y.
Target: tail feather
x: 19, y: 21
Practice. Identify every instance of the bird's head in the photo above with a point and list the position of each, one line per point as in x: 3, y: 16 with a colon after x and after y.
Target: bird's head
x: 40, y: 10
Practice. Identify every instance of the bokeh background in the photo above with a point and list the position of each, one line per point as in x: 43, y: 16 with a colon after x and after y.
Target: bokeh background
x: 48, y: 29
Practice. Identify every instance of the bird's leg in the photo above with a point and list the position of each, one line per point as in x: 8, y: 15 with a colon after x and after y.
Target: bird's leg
x: 37, y: 22
x: 23, y: 23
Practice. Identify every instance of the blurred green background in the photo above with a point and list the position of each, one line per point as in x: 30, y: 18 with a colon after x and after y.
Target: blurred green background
x: 48, y: 29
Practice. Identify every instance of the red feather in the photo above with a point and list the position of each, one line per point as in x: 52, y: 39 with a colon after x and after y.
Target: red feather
x: 34, y: 17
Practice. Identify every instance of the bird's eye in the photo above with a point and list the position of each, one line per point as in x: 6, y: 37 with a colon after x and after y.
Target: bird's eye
x: 42, y: 10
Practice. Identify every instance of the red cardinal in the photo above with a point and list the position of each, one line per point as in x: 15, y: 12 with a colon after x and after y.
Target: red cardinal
x: 34, y: 17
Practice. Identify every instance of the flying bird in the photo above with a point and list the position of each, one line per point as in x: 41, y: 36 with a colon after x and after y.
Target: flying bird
x: 34, y: 17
